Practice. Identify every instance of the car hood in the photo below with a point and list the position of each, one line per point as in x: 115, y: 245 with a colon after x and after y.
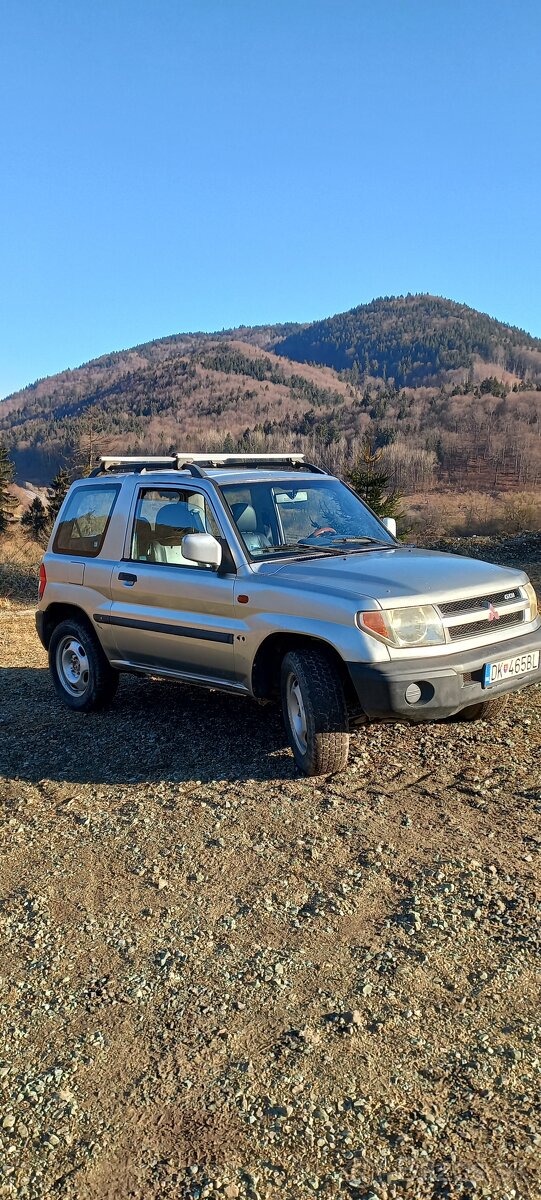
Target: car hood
x: 396, y: 575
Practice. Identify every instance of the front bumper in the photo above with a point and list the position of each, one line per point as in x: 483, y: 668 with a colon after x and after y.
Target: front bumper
x: 447, y: 683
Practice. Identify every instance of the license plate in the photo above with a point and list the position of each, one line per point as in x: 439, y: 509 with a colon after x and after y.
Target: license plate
x: 509, y: 668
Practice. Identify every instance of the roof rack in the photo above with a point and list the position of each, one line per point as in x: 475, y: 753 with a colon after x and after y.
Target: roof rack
x: 139, y: 462
x: 228, y: 460
x: 195, y: 463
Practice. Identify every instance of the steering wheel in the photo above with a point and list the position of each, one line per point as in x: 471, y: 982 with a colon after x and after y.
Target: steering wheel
x: 322, y: 529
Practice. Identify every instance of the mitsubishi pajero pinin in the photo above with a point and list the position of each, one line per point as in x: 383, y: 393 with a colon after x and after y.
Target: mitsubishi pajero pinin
x: 265, y: 576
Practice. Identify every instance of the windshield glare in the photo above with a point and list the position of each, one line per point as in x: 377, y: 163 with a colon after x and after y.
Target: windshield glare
x: 314, y: 514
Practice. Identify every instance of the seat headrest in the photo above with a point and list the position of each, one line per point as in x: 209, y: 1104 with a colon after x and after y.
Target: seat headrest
x: 175, y: 520
x: 142, y: 541
x: 245, y: 517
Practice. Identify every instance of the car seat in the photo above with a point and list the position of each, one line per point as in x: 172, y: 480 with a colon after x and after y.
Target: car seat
x: 246, y: 521
x: 173, y: 522
x: 143, y: 548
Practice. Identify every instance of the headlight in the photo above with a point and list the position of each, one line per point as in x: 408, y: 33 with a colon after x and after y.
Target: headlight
x: 405, y: 626
x: 532, y: 601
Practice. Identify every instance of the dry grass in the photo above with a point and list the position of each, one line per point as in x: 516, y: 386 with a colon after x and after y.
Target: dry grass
x: 434, y: 514
x: 19, y: 562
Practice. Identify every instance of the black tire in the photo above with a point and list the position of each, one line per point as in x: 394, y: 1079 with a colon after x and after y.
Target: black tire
x: 484, y: 710
x: 94, y: 684
x: 312, y: 677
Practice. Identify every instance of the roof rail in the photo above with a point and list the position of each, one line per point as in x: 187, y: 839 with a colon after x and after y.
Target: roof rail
x: 233, y: 460
x: 194, y: 463
x: 135, y: 462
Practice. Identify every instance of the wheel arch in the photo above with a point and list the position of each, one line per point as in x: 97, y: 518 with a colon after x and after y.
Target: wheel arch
x: 58, y: 612
x: 268, y: 659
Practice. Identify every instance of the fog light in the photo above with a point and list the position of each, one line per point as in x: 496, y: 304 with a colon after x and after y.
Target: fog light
x: 413, y: 693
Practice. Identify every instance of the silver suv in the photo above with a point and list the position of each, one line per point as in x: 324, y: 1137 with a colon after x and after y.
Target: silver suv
x: 265, y: 576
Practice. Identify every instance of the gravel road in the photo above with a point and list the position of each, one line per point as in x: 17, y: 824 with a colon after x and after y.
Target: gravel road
x: 219, y: 979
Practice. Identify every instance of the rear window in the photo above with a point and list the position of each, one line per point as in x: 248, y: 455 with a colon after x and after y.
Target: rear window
x: 85, y: 520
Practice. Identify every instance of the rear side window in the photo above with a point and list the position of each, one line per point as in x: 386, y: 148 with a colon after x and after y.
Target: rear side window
x: 85, y: 520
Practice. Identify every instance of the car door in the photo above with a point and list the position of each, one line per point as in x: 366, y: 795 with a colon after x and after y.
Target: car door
x: 168, y: 612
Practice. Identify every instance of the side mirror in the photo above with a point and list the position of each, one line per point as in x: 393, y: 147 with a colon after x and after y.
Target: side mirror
x: 202, y: 548
x: 390, y: 525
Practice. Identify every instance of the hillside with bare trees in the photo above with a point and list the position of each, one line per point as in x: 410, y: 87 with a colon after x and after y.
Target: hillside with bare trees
x: 475, y: 421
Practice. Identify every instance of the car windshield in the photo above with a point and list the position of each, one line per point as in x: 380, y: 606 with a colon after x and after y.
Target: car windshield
x: 299, y: 518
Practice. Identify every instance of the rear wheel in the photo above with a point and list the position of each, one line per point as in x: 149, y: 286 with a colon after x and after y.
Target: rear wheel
x: 79, y: 669
x: 484, y: 710
x: 315, y: 712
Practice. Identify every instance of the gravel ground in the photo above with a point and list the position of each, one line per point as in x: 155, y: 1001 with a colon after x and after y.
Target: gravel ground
x: 219, y: 979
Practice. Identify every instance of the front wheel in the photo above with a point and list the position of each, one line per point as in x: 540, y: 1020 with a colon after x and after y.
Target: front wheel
x: 79, y: 669
x: 484, y: 710
x: 315, y: 712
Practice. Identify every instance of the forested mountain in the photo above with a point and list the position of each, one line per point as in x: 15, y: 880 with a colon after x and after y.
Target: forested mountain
x: 412, y: 340
x: 205, y: 397
x: 478, y: 415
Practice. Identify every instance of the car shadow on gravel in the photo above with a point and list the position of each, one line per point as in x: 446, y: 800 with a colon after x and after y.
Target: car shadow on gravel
x: 154, y: 731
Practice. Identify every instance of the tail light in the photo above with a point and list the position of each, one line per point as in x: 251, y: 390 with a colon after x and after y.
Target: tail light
x: 42, y: 580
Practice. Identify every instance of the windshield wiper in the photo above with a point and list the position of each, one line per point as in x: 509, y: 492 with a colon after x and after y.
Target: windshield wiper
x: 337, y: 546
x: 362, y: 538
x: 294, y: 548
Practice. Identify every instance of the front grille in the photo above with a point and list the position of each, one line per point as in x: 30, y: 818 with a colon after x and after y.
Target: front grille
x: 452, y: 607
x: 472, y: 628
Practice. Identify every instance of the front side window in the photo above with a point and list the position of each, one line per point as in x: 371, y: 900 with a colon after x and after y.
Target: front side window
x: 164, y: 516
x: 275, y: 518
x: 85, y: 520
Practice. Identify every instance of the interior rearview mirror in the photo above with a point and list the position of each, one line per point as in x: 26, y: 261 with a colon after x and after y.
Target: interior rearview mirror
x: 294, y: 496
x: 202, y: 548
x: 390, y: 524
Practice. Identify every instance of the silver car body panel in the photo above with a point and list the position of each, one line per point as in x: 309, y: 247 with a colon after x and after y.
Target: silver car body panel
x: 207, y: 627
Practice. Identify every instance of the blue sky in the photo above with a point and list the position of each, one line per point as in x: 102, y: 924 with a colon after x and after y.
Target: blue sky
x: 173, y: 165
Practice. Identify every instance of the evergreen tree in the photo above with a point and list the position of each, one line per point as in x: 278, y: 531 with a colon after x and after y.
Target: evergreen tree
x: 7, y: 502
x: 36, y: 521
x: 372, y: 484
x: 55, y: 495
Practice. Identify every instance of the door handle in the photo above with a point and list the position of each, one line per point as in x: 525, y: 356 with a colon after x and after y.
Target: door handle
x: 126, y: 578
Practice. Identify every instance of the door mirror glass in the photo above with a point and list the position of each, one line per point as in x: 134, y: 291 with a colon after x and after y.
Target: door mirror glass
x: 390, y: 525
x: 202, y: 548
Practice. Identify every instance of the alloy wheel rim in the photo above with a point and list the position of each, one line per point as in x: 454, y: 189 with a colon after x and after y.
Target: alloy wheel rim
x: 296, y: 713
x: 73, y: 666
